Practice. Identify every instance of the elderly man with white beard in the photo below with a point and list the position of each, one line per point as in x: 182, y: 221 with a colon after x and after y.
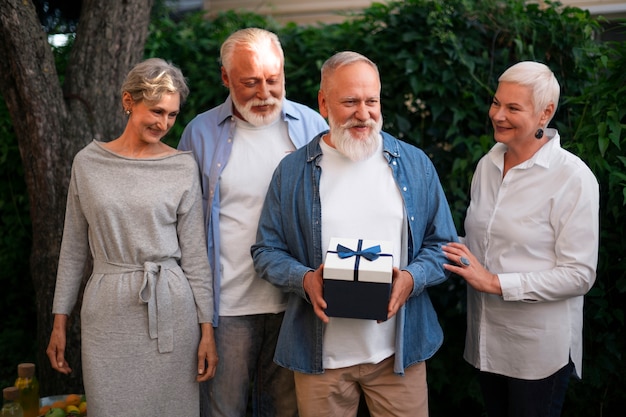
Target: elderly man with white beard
x: 355, y: 181
x: 237, y: 146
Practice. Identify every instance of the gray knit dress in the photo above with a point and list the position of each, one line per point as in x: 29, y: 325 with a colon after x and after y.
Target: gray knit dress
x: 142, y: 221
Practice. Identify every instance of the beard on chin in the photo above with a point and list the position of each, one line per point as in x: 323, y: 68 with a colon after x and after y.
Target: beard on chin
x: 260, y: 119
x: 355, y: 149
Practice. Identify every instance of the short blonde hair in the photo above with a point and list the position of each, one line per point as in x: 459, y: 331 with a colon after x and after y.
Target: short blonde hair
x: 539, y: 79
x: 152, y: 78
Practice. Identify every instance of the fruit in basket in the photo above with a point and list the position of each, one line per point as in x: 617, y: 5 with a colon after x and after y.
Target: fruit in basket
x: 72, y: 410
x: 58, y: 404
x: 55, y: 412
x: 71, y: 405
x: 72, y: 399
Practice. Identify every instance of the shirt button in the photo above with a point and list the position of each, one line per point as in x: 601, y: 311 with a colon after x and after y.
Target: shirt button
x: 404, y: 188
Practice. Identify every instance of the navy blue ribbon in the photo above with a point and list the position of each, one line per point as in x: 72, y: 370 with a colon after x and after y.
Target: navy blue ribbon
x: 371, y: 254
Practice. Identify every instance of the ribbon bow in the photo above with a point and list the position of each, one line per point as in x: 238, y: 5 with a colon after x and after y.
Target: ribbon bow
x: 155, y: 292
x: 371, y: 254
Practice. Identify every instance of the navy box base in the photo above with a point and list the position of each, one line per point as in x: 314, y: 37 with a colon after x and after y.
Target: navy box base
x: 357, y: 300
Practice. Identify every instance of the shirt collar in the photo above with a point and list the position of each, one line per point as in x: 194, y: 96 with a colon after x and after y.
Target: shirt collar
x: 544, y: 155
x: 541, y: 158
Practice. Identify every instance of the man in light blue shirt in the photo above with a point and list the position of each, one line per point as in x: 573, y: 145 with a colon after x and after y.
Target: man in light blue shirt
x: 237, y: 145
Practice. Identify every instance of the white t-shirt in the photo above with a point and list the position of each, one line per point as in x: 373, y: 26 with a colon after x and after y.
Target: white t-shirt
x: 359, y: 200
x: 243, y: 184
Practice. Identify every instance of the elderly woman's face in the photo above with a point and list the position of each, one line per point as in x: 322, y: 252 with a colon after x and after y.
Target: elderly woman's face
x: 512, y: 114
x: 150, y: 122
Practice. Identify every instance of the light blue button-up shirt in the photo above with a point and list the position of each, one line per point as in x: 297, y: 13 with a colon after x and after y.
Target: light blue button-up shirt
x: 210, y: 137
x: 289, y: 244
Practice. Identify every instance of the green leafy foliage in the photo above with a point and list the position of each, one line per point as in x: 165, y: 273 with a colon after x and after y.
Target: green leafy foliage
x: 439, y: 62
x: 600, y: 137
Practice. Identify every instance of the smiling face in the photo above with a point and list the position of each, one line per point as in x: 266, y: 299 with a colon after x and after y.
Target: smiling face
x: 256, y: 82
x: 150, y: 122
x: 350, y: 99
x: 513, y: 114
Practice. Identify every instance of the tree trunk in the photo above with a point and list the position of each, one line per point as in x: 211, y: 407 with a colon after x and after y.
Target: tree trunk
x: 53, y: 122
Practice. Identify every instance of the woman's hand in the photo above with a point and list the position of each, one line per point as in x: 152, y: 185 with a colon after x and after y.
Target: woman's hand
x: 467, y: 266
x: 207, y: 353
x: 56, y: 347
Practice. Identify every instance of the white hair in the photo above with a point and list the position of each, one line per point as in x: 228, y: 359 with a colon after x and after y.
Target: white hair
x: 539, y: 79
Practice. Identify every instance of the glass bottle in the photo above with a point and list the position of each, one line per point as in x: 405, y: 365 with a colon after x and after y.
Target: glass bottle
x: 11, y: 406
x: 28, y: 386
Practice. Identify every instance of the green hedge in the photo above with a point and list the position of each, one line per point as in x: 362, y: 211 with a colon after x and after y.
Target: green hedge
x: 439, y: 62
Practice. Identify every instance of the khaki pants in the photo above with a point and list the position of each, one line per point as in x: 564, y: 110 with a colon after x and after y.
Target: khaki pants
x: 336, y: 392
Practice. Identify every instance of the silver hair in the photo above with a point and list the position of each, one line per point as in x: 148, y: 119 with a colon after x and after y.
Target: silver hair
x: 541, y: 81
x: 341, y: 59
x: 249, y: 38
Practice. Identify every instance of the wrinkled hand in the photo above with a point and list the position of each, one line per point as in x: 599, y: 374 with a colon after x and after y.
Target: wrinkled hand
x: 475, y: 274
x: 401, y: 289
x: 207, y: 354
x: 313, y: 284
x: 56, y: 346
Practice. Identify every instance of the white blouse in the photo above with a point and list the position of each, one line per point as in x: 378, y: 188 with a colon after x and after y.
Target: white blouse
x: 538, y: 229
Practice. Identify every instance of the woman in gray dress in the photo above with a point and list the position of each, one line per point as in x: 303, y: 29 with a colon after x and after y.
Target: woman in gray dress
x: 134, y: 205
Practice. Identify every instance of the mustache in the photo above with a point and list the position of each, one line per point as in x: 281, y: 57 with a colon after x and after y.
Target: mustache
x: 356, y: 123
x: 271, y: 101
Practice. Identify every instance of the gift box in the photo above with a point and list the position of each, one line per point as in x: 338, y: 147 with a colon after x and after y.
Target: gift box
x: 357, y: 278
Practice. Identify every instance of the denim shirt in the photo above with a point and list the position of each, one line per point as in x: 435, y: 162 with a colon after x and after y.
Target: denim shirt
x: 289, y: 245
x: 210, y: 137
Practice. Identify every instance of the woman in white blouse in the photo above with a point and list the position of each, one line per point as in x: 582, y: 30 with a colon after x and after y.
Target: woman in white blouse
x: 530, y: 252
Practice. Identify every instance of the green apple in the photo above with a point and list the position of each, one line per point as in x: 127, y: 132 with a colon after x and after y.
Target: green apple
x: 55, y: 412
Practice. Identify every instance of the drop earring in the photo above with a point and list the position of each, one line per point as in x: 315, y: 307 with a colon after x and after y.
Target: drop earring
x: 539, y: 133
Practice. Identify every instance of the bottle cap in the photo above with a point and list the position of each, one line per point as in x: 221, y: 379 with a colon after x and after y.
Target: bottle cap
x: 26, y: 370
x: 11, y: 393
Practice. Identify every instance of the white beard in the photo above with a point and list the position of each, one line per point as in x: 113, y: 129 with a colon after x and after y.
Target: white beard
x: 257, y: 119
x: 355, y: 149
